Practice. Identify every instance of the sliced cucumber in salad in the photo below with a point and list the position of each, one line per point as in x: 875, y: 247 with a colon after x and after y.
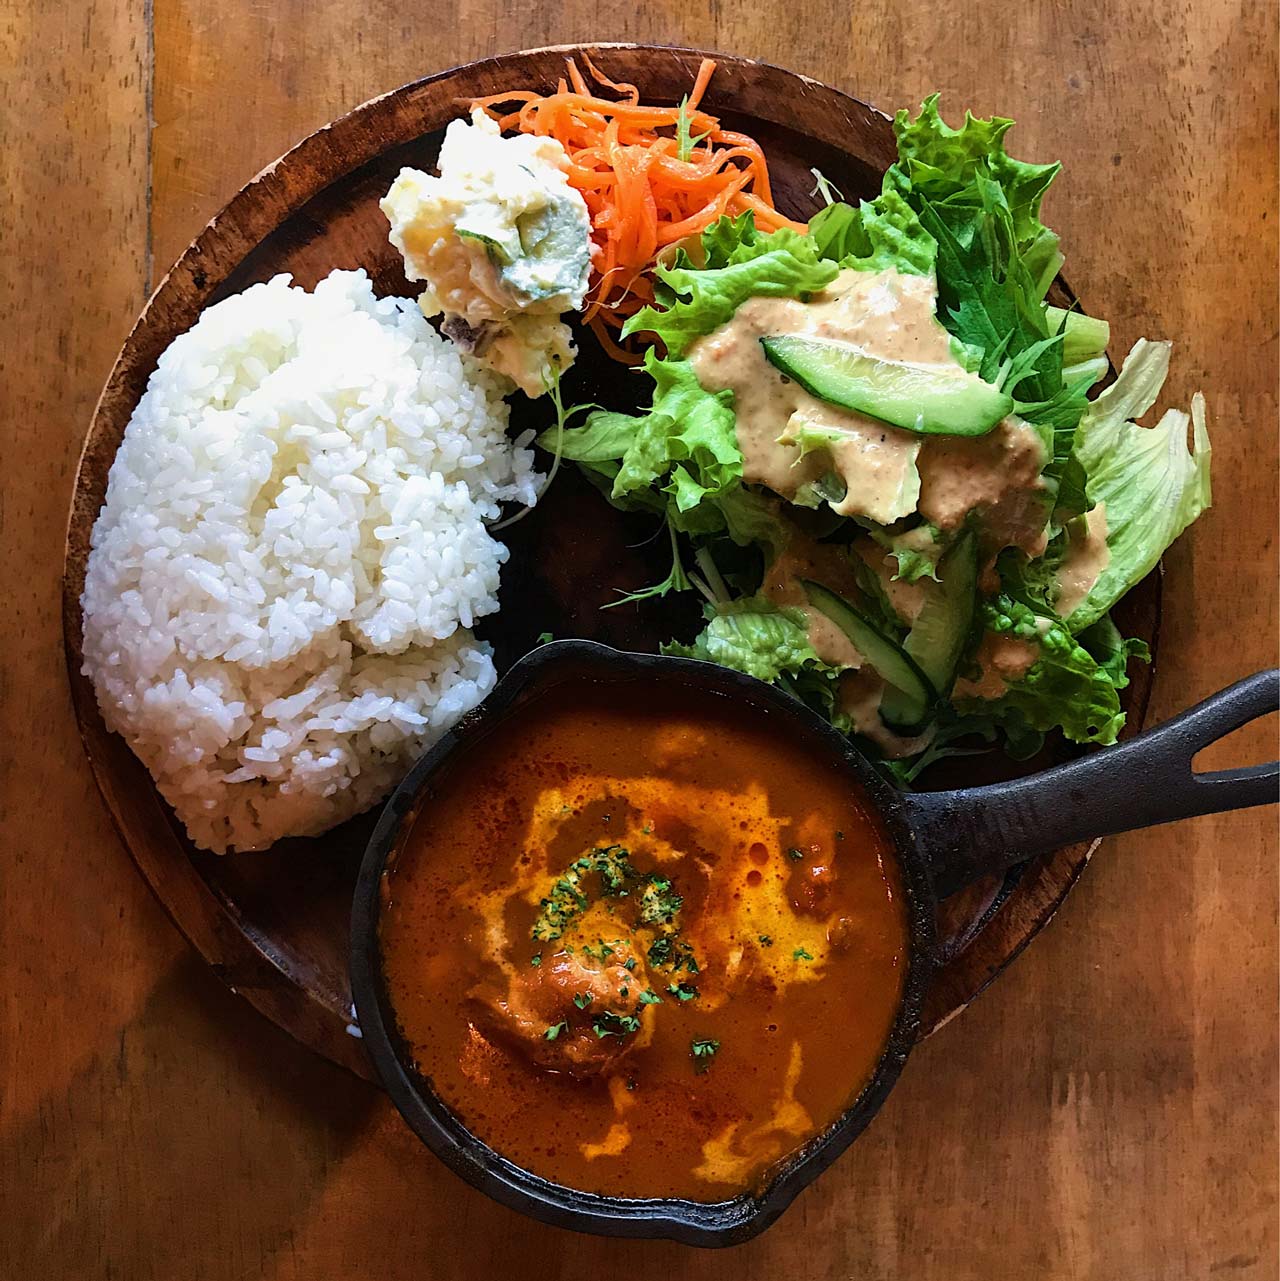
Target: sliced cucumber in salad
x: 932, y: 400
x: 942, y: 628
x: 915, y: 694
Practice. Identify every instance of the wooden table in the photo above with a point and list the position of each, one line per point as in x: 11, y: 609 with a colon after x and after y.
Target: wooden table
x: 1108, y: 1111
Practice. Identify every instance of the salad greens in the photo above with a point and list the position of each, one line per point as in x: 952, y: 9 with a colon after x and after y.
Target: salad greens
x: 949, y: 628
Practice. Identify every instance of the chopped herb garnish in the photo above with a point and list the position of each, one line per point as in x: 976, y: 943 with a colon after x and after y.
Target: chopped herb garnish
x: 659, y: 902
x: 630, y: 963
x: 794, y: 854
x: 582, y: 1000
x: 704, y: 1051
x: 801, y: 955
x: 682, y: 990
x: 544, y: 638
x: 660, y: 951
x: 567, y: 900
x: 626, y: 991
x: 536, y: 959
x: 650, y: 998
x: 765, y: 941
x: 646, y: 830
x: 554, y: 1030
x: 610, y: 1024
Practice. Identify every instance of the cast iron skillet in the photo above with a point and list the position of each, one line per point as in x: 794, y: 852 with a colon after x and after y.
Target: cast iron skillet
x: 943, y: 840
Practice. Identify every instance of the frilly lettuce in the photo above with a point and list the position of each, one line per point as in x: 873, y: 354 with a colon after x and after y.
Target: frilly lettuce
x: 685, y: 445
x: 740, y: 263
x: 752, y: 635
x: 946, y: 164
x: 1065, y: 688
x: 1153, y: 485
x: 874, y: 235
x: 995, y: 258
x: 771, y: 643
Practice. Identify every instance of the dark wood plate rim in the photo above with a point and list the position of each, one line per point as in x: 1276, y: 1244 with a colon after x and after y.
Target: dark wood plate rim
x: 212, y: 922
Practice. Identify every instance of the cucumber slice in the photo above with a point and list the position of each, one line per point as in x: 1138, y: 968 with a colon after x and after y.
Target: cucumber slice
x: 499, y: 252
x: 933, y: 400
x: 903, y: 673
x: 941, y: 631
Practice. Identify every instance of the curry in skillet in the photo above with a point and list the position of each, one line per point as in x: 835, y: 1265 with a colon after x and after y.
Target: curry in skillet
x: 644, y: 942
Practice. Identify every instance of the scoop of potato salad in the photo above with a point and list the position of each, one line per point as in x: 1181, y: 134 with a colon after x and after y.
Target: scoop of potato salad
x: 503, y: 245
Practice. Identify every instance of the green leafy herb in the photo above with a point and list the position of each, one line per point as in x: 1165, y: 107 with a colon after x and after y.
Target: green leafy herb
x: 567, y: 899
x: 800, y: 954
x: 582, y: 1000
x: 765, y: 941
x: 659, y: 902
x: 536, y: 959
x: 554, y: 1030
x: 685, y: 139
x: 794, y: 854
x: 545, y: 638
x: 617, y: 878
x: 610, y: 1024
x: 650, y: 998
x: 683, y: 991
x: 703, y: 1051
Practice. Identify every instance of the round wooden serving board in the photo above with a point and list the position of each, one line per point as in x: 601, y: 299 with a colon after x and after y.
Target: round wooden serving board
x: 274, y: 925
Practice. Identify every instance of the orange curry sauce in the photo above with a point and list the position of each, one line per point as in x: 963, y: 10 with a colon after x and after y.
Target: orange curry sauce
x: 644, y: 942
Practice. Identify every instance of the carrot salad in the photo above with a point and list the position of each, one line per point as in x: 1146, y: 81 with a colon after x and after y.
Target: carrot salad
x: 650, y: 175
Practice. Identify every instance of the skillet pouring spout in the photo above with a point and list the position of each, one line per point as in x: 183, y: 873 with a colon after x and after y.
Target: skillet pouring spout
x: 1149, y: 780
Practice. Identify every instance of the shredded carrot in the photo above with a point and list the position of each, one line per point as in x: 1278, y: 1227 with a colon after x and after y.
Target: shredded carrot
x: 642, y: 194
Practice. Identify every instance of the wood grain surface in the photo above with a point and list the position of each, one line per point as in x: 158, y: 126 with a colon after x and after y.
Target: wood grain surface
x: 1108, y: 1110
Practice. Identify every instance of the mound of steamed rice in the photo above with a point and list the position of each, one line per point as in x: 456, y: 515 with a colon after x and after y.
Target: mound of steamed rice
x: 291, y: 553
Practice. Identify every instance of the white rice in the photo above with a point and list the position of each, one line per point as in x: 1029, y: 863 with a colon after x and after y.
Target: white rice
x: 291, y: 553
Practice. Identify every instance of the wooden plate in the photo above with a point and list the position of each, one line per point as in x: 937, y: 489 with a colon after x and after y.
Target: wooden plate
x: 274, y: 925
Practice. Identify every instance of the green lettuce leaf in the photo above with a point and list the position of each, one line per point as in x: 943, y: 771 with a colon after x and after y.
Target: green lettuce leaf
x: 740, y: 263
x: 916, y: 551
x: 685, y: 446
x: 995, y: 258
x: 752, y: 635
x: 1112, y: 651
x: 945, y: 162
x: 874, y: 235
x: 752, y: 518
x: 1065, y: 688
x: 1153, y: 486
x: 755, y: 636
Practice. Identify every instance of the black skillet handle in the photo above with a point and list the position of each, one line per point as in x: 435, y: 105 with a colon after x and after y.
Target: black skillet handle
x: 1140, y: 783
